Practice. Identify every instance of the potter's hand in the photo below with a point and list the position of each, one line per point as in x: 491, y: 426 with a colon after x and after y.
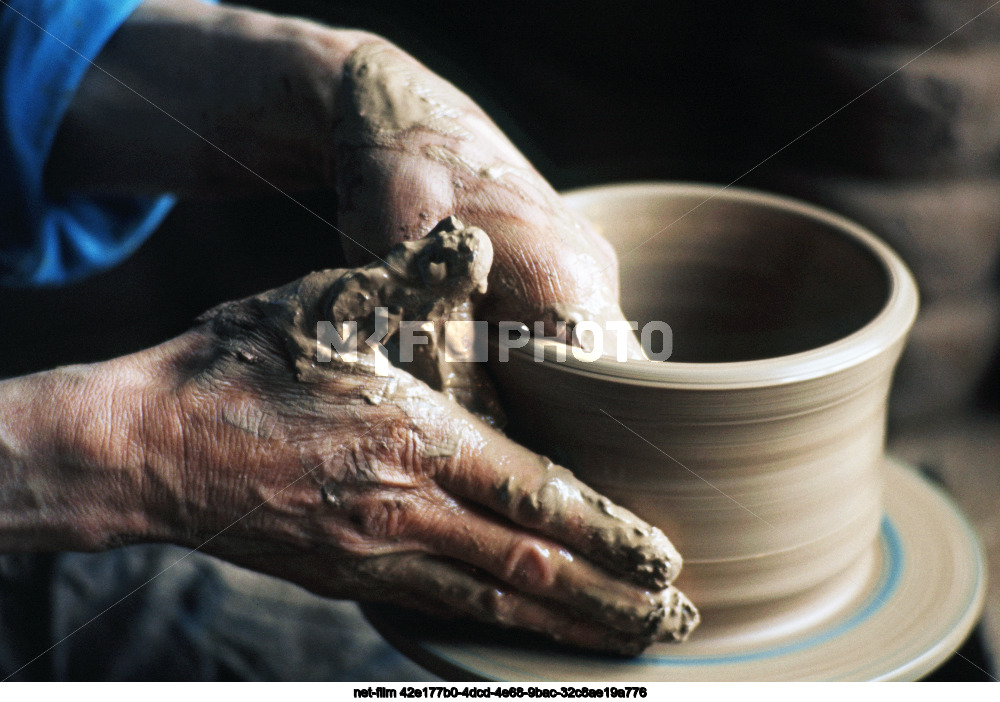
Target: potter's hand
x: 410, y: 149
x: 256, y: 100
x: 358, y: 480
x: 351, y: 478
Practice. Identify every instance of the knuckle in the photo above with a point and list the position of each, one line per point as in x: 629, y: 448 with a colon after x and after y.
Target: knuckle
x: 529, y: 564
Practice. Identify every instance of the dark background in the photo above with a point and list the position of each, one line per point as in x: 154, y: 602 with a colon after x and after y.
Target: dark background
x: 597, y: 92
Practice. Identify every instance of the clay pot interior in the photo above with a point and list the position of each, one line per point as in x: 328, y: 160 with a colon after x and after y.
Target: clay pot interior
x: 742, y: 284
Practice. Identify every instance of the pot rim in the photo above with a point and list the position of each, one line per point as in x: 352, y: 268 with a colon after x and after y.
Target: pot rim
x: 882, y: 332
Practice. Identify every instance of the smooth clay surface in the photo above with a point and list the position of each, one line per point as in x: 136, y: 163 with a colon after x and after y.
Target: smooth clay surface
x: 759, y: 446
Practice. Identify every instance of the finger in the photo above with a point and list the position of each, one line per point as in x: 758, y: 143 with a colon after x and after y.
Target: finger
x: 441, y: 587
x: 532, y: 492
x: 538, y: 566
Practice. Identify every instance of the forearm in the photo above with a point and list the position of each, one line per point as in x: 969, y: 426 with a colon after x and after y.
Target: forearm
x: 75, y: 473
x: 218, y: 100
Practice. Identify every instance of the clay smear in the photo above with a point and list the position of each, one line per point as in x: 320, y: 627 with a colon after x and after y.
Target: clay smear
x: 388, y: 96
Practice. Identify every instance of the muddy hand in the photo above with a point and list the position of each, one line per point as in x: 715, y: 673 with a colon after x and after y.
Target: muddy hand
x: 355, y: 479
x: 332, y: 109
x: 411, y: 149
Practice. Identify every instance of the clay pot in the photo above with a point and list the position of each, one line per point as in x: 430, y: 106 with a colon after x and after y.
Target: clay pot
x: 948, y: 233
x: 758, y: 446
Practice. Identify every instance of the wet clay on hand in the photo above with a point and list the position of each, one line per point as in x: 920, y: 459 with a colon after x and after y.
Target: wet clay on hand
x: 396, y: 118
x: 426, y: 283
x: 549, y: 553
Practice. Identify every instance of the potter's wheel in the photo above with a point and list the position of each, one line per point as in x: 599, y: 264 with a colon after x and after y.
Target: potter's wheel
x: 904, y: 610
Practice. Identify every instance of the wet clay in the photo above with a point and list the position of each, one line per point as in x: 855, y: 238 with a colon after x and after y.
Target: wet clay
x: 386, y: 97
x: 432, y: 281
x: 667, y: 616
x: 641, y: 548
x: 631, y: 544
x: 425, y: 283
x: 387, y: 101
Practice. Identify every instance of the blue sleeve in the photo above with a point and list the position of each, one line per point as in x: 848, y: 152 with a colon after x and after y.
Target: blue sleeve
x: 45, y: 49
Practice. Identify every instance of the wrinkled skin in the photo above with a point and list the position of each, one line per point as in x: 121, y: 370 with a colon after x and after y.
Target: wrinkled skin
x: 412, y: 500
x: 220, y: 440
x: 396, y: 182
x: 307, y: 90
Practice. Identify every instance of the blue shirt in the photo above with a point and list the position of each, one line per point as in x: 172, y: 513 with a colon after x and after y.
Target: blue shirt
x: 46, y: 240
